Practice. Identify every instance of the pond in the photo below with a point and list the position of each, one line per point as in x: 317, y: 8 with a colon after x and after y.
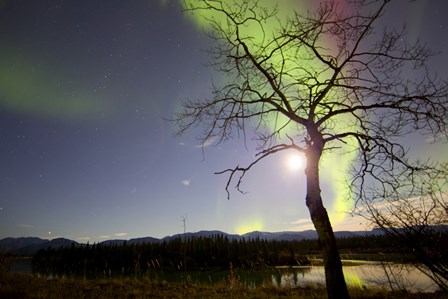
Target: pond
x: 360, y: 274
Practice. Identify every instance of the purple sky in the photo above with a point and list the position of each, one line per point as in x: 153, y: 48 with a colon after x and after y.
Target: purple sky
x: 84, y: 151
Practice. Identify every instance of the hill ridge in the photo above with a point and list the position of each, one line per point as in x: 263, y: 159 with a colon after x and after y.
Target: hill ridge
x: 30, y: 245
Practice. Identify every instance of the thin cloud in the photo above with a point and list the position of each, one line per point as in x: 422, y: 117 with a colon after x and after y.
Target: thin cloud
x: 350, y: 223
x: 207, y: 142
x: 301, y: 221
x: 302, y: 224
x: 83, y: 239
x: 120, y: 234
x: 186, y: 182
x: 26, y: 225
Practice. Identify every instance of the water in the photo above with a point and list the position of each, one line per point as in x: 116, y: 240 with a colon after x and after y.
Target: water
x: 21, y: 265
x: 359, y: 274
x: 363, y: 275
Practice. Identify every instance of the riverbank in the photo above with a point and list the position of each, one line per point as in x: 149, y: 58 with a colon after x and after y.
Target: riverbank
x: 359, y: 274
x: 16, y: 285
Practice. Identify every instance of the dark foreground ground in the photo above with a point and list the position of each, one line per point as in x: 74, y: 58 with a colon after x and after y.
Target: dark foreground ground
x: 15, y: 286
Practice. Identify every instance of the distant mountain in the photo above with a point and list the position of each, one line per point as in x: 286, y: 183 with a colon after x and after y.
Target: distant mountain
x: 348, y: 234
x: 203, y: 234
x: 30, y: 245
x: 114, y: 242
x: 131, y: 241
x: 282, y: 236
x: 14, y: 244
x: 55, y: 243
x: 143, y: 240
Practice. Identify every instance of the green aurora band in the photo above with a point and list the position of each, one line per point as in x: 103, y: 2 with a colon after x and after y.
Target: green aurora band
x: 27, y: 86
x: 335, y: 166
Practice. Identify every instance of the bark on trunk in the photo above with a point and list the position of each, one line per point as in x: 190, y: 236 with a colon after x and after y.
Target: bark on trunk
x: 334, y: 277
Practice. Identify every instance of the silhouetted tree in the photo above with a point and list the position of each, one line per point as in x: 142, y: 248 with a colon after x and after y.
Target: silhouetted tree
x: 413, y: 212
x: 315, y: 83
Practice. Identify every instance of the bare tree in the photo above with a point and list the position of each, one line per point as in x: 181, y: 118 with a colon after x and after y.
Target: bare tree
x: 291, y: 90
x: 414, y: 214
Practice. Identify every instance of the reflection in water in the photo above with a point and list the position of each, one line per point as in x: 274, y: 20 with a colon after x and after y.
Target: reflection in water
x: 398, y: 276
x: 361, y: 275
x: 21, y: 265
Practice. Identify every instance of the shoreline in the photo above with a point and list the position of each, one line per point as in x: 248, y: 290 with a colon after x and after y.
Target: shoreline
x: 13, y: 285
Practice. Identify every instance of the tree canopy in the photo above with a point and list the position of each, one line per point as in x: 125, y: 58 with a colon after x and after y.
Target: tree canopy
x: 327, y: 81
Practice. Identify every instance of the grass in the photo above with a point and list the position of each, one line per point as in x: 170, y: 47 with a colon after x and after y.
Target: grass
x: 15, y: 286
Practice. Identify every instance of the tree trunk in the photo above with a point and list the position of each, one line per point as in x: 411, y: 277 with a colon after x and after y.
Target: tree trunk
x: 334, y: 277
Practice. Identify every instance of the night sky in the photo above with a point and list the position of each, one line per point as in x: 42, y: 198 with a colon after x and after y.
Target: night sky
x: 86, y: 152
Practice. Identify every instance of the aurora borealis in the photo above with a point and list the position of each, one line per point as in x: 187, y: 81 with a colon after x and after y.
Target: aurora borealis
x: 86, y: 152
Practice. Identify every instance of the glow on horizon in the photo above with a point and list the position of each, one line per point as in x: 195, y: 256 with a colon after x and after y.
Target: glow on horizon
x: 247, y: 226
